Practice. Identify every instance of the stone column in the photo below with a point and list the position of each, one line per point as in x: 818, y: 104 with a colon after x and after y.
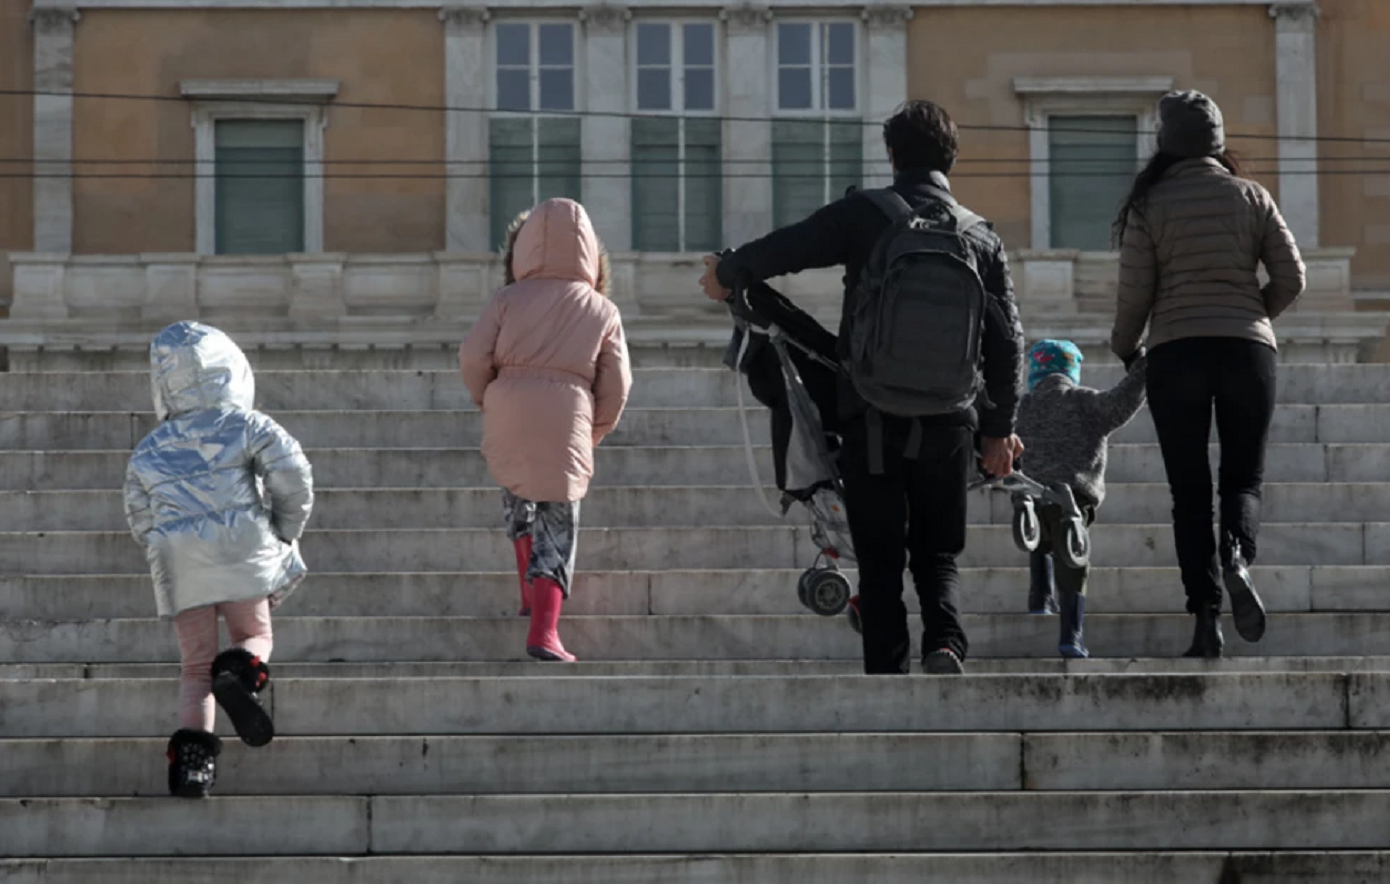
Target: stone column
x: 606, y: 136
x: 885, y: 83
x: 53, y: 34
x: 749, y: 70
x: 1296, y: 79
x: 466, y: 79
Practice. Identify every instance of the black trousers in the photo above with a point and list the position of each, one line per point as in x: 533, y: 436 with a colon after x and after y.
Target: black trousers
x: 1188, y: 381
x: 912, y: 516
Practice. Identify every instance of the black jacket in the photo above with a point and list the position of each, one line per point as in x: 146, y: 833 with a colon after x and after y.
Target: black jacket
x: 845, y: 232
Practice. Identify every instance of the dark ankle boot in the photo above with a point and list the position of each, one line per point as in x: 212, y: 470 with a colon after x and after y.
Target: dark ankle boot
x: 192, y: 758
x: 1207, y: 640
x: 1247, y: 610
x: 238, y: 677
x: 1071, y: 641
x: 1041, y: 598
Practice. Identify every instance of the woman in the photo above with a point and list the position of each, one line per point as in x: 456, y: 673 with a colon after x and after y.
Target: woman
x: 548, y: 365
x: 1192, y: 233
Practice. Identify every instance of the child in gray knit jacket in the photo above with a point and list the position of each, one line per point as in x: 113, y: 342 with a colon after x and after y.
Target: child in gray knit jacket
x: 1065, y: 428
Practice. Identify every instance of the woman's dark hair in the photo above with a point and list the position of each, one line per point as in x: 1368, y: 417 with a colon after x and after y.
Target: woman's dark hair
x: 921, y: 135
x: 1155, y: 169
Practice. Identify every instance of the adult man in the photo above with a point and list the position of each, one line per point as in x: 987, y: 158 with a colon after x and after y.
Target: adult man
x: 905, y: 485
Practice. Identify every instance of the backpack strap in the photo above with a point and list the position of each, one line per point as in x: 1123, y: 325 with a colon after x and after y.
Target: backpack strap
x: 890, y: 203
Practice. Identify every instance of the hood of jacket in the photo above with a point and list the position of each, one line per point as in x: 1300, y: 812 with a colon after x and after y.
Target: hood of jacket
x: 558, y: 242
x: 195, y: 367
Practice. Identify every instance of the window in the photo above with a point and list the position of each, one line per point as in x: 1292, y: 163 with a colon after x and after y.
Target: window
x: 1091, y: 164
x: 259, y: 201
x: 677, y: 143
x: 816, y: 157
x: 532, y: 156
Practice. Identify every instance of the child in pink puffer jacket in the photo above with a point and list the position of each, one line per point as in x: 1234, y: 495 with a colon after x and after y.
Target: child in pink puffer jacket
x: 547, y: 363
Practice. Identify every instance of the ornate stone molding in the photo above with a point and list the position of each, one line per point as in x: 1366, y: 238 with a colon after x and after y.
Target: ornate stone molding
x: 605, y: 19
x: 464, y: 16
x: 48, y: 19
x: 887, y: 17
x: 1295, y: 14
x: 745, y: 17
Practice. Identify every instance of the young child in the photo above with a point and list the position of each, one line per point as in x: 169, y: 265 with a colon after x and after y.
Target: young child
x: 1065, y: 428
x: 547, y: 364
x: 218, y: 494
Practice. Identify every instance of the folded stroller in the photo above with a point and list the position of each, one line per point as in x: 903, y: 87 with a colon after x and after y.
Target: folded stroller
x: 789, y: 360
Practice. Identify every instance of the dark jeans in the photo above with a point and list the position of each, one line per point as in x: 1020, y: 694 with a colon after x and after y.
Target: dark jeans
x: 913, y: 516
x: 1188, y: 380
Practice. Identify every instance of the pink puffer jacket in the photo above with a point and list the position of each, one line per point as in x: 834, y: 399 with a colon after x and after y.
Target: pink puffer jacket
x: 546, y: 361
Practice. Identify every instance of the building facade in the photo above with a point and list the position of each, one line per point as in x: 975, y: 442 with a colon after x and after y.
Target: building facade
x: 307, y: 164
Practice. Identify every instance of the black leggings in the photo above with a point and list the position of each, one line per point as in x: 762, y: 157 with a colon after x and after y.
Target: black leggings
x: 1188, y: 380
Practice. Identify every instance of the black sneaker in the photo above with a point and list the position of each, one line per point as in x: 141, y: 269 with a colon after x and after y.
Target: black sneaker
x: 237, y: 679
x: 943, y: 661
x: 192, y: 758
x: 1247, y: 610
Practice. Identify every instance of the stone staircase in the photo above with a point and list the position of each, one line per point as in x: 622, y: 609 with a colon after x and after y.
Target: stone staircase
x: 715, y: 731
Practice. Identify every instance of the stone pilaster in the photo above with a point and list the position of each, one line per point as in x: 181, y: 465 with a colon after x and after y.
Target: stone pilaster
x: 53, y: 37
x: 749, y: 99
x: 606, y: 137
x: 466, y: 79
x: 885, y: 83
x: 1296, y: 79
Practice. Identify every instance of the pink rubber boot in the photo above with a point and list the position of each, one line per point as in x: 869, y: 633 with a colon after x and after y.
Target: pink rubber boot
x: 523, y: 564
x: 543, y: 641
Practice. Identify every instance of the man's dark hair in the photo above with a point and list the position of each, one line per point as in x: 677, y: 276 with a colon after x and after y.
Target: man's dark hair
x: 921, y: 135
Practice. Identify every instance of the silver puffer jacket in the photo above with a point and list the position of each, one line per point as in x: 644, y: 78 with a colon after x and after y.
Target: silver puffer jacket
x: 219, y: 493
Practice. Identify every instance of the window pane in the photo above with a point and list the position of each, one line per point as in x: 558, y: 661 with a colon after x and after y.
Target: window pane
x: 511, y: 173
x: 794, y: 44
x: 557, y: 45
x: 656, y: 184
x: 699, y: 45
x: 654, y: 89
x: 259, y: 187
x: 846, y: 156
x: 704, y: 186
x: 1091, y: 164
x: 840, y: 89
x: 557, y: 89
x: 653, y: 44
x: 514, y: 45
x: 839, y: 43
x: 513, y: 89
x: 794, y: 88
x: 699, y: 89
x: 559, y: 159
x: 798, y: 169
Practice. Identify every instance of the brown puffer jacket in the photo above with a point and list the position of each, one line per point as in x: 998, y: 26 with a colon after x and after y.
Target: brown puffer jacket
x: 1189, y: 257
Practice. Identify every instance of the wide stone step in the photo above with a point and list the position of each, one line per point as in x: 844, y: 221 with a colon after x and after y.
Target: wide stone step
x: 339, y: 509
x: 732, y: 823
x: 1134, y: 867
x: 739, y: 637
x: 645, y: 427
x: 693, y: 548
x: 575, y: 705
x: 444, y: 389
x: 617, y: 465
x: 1289, y: 588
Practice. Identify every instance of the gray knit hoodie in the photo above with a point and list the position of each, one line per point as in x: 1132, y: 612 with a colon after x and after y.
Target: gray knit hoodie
x: 1065, y: 427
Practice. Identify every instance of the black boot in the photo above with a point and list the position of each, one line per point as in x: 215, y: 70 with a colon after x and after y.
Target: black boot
x: 1247, y: 610
x: 1041, y: 599
x: 192, y: 758
x: 1207, y: 640
x: 1071, y: 641
x: 237, y: 679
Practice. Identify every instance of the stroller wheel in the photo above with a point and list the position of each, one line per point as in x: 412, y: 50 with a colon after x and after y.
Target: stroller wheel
x: 827, y: 592
x: 1075, y: 548
x: 1027, y: 531
x: 803, y: 588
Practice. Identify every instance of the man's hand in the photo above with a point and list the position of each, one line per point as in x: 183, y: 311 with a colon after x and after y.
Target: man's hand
x: 998, y: 455
x: 710, y: 281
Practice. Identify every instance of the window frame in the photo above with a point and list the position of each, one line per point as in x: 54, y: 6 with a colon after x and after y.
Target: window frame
x: 677, y: 111
x: 819, y: 70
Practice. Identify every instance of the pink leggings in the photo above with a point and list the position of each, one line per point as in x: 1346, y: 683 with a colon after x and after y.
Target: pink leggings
x: 248, y: 625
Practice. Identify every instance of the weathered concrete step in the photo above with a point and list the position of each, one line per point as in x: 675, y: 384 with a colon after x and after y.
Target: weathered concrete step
x: 609, y: 763
x: 338, y: 509
x: 1284, y: 588
x: 574, y: 705
x: 733, y: 823
x: 391, y: 639
x: 88, y: 431
x: 647, y: 549
x: 617, y: 465
x: 1135, y: 867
